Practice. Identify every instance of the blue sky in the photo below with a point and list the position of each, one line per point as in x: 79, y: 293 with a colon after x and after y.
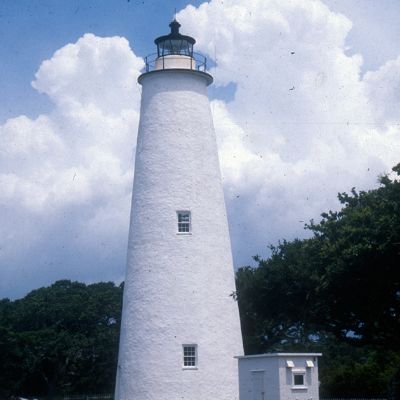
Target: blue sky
x: 67, y: 139
x: 32, y: 30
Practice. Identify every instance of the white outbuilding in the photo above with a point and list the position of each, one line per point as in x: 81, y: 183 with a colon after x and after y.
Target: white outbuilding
x: 279, y: 376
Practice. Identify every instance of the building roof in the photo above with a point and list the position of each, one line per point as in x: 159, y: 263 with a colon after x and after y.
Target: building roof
x: 281, y: 355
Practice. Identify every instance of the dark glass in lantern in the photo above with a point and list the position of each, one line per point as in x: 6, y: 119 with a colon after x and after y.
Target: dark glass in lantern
x: 175, y: 43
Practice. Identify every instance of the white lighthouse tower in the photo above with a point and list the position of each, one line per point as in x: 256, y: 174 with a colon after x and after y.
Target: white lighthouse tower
x: 180, y: 325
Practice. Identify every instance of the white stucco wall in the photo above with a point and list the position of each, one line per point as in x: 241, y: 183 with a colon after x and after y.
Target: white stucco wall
x: 270, y: 366
x: 278, y: 378
x: 178, y: 287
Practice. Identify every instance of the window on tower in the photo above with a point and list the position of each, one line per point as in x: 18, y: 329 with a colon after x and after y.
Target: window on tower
x: 189, y: 355
x: 184, y: 222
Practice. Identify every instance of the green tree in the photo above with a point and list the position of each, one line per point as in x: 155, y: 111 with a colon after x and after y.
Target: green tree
x: 61, y: 339
x: 360, y: 265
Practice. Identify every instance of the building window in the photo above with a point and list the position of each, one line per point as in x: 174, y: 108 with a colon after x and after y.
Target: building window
x: 189, y: 355
x: 299, y: 379
x: 184, y: 222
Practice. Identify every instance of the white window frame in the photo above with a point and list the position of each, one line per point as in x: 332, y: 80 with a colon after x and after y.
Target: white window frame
x: 299, y: 372
x: 189, y: 223
x: 196, y: 358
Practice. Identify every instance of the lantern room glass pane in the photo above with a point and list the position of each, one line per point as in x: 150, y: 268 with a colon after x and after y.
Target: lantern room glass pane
x: 175, y: 46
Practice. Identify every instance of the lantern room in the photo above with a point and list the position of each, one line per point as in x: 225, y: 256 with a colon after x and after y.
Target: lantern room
x: 175, y: 51
x: 175, y: 43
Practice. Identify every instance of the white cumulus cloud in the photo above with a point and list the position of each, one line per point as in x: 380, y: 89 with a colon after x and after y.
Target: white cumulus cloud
x: 66, y: 177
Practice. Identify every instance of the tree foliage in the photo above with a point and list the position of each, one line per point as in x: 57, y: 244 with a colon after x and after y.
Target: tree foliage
x: 60, y: 339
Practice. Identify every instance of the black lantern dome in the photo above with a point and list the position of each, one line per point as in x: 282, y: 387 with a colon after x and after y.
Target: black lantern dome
x: 175, y: 43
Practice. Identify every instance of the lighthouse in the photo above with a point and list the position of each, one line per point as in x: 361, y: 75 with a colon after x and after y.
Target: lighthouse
x: 180, y: 328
